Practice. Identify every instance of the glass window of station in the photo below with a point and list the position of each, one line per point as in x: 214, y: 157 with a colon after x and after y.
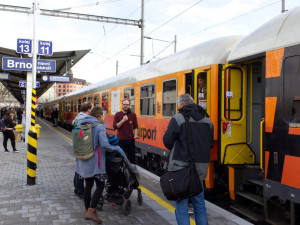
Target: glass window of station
x: 129, y: 94
x: 169, y: 98
x: 147, y: 100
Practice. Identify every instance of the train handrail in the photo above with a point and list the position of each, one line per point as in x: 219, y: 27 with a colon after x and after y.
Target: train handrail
x: 261, y: 143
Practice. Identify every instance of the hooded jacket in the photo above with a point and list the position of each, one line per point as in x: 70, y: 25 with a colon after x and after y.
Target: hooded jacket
x: 175, y: 139
x: 91, y: 167
x: 77, y: 121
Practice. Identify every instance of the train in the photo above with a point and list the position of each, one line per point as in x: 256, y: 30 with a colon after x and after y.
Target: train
x: 249, y: 86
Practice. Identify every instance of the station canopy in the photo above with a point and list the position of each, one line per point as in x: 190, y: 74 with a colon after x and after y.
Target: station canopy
x: 64, y: 62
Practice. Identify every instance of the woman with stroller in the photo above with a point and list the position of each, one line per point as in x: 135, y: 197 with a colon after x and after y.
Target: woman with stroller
x: 93, y: 169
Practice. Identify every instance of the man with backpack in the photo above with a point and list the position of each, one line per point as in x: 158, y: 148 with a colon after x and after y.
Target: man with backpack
x: 202, y: 138
x: 85, y: 110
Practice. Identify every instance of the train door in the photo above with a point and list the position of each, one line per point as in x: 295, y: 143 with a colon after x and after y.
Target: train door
x: 197, y: 86
x: 234, y: 148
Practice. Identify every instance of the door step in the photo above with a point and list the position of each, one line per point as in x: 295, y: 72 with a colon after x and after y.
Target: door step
x: 276, y: 221
x: 248, y: 213
x: 255, y: 198
x: 257, y: 182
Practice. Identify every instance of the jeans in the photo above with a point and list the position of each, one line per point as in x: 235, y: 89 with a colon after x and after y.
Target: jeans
x: 181, y: 212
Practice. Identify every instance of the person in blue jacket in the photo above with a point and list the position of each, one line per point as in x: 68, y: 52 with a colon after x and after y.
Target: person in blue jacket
x: 94, y: 169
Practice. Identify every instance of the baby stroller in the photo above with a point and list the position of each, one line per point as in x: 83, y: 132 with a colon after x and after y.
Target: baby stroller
x: 123, y: 178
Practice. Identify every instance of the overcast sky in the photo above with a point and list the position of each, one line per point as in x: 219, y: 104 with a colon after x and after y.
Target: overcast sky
x: 192, y: 21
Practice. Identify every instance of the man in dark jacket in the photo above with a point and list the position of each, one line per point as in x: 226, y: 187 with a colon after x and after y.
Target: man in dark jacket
x: 175, y: 139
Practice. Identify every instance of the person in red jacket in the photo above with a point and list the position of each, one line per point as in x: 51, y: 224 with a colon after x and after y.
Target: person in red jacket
x: 126, y: 123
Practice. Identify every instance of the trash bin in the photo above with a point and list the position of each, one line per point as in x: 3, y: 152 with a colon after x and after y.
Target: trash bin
x: 37, y: 129
x: 19, y: 128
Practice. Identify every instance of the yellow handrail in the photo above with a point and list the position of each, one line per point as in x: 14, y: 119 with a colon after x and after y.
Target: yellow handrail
x: 261, y: 143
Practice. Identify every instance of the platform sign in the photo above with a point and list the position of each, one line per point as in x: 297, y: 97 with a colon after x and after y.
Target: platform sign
x: 22, y: 83
x: 45, y: 48
x: 24, y: 46
x: 9, y: 63
x: 56, y: 78
x: 4, y: 76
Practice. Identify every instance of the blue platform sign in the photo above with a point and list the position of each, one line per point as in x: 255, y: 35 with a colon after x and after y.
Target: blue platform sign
x: 22, y: 83
x: 56, y: 78
x: 9, y: 63
x: 45, y: 48
x: 24, y: 46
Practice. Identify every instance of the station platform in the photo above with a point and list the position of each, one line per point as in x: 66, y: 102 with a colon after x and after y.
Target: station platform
x: 52, y: 199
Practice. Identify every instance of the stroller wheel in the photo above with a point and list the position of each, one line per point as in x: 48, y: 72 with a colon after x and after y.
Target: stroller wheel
x: 100, y: 203
x: 126, y: 207
x: 140, y: 198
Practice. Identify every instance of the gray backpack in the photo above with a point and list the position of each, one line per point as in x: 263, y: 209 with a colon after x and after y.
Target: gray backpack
x: 83, y: 141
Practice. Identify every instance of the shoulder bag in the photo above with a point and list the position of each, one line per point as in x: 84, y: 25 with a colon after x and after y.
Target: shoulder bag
x: 183, y: 183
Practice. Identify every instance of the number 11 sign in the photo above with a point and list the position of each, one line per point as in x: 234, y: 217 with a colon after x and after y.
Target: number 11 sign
x: 45, y: 48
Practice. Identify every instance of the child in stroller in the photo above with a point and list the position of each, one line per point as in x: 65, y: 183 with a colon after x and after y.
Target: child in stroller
x: 123, y: 178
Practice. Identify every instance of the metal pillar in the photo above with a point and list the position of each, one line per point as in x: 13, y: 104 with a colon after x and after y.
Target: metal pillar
x: 142, y: 33
x: 32, y: 135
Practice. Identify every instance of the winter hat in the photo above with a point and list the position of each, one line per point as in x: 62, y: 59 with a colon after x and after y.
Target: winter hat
x: 113, y: 140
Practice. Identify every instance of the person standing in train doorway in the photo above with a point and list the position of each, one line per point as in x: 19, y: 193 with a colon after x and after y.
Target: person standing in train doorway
x: 175, y: 139
x: 126, y: 123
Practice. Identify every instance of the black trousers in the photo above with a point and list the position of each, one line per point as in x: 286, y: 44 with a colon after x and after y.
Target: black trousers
x: 91, y: 202
x: 78, y: 185
x: 128, y: 147
x: 9, y: 134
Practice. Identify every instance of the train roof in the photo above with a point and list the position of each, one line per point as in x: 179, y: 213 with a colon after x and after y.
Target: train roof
x: 208, y: 53
x: 280, y: 32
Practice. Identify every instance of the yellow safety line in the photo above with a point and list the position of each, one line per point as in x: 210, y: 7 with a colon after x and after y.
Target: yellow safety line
x: 145, y: 191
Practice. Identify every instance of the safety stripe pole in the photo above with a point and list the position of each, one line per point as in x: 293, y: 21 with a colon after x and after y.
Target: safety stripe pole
x: 32, y: 144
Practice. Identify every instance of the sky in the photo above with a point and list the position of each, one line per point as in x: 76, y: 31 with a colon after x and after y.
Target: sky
x: 191, y: 21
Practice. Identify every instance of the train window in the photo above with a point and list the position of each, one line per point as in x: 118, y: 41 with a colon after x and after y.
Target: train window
x: 66, y: 107
x: 291, y: 93
x: 71, y: 106
x: 75, y: 106
x: 90, y: 98
x: 147, y: 100
x: 79, y: 105
x: 233, y: 94
x: 169, y: 97
x: 202, y: 89
x: 84, y: 100
x: 105, y: 102
x: 96, y: 100
x: 129, y: 94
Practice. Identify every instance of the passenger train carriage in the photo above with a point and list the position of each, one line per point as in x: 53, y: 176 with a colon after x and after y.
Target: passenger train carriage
x: 249, y: 87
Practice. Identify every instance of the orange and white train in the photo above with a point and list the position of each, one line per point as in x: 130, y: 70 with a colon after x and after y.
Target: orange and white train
x: 250, y: 87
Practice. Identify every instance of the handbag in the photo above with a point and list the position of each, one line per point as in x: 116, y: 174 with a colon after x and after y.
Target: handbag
x: 183, y: 183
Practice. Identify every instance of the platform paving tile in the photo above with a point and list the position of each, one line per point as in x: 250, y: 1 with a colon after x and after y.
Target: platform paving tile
x: 51, y: 200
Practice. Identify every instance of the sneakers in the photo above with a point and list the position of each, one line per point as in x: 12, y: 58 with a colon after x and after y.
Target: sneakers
x: 16, y: 151
x: 6, y: 151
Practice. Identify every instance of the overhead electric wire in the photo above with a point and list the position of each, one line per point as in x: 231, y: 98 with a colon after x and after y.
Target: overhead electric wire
x: 215, y: 25
x: 148, y: 34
